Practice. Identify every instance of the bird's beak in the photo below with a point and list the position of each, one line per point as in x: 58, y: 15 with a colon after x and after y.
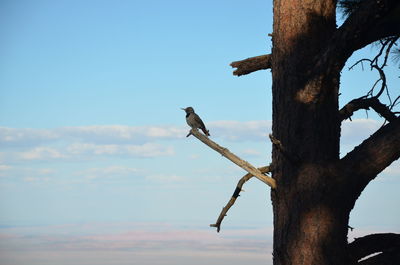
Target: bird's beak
x: 183, y: 108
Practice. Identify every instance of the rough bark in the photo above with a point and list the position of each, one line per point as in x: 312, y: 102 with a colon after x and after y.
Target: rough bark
x: 310, y: 227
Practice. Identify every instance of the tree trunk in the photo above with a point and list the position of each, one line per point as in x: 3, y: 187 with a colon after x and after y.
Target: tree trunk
x: 311, y: 208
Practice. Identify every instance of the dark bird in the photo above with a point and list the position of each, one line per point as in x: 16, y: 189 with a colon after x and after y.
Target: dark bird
x: 194, y: 121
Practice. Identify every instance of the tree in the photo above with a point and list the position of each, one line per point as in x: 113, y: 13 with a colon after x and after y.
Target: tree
x: 315, y: 188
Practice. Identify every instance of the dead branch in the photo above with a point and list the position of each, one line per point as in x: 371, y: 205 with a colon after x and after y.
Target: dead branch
x: 234, y: 158
x: 366, y: 103
x: 252, y: 64
x: 374, y: 243
x: 235, y: 195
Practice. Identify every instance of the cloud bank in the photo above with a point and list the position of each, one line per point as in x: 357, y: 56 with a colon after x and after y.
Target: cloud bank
x: 27, y: 144
x: 119, y: 134
x: 83, y: 142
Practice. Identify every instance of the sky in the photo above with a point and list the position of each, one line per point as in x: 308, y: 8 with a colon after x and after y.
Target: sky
x: 95, y: 167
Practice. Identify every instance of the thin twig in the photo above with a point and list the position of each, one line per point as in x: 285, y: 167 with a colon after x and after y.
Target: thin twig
x: 392, y: 42
x: 395, y: 102
x: 383, y: 78
x: 235, y: 195
x: 383, y: 43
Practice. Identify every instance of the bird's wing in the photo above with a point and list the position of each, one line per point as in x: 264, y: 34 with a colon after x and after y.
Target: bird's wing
x: 199, y: 121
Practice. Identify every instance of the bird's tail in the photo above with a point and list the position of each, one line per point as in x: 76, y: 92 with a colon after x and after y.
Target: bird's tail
x: 205, y: 131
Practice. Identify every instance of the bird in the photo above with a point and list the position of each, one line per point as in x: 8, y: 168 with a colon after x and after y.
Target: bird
x: 194, y: 121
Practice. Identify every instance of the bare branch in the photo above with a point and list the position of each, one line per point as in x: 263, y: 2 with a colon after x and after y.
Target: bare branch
x: 366, y: 103
x: 373, y: 155
x: 374, y: 243
x: 252, y: 64
x: 234, y: 158
x: 235, y: 195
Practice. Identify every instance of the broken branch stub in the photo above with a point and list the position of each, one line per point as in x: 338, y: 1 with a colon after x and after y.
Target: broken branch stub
x: 234, y: 158
x: 252, y: 64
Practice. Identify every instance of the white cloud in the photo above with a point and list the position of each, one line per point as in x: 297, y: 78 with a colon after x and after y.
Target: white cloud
x: 79, y: 151
x: 194, y: 156
x: 107, y: 134
x: 141, y: 141
x: 26, y: 136
x: 165, y: 178
x: 41, y: 153
x: 120, y: 134
x: 241, y: 131
x: 27, y: 174
x: 150, y: 150
x: 89, y: 148
x: 110, y: 172
x: 45, y: 171
x: 145, y: 150
x: 4, y: 167
x: 251, y: 152
x: 36, y: 179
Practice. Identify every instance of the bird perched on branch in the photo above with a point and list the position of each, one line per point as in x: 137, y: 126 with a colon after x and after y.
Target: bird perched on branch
x: 194, y: 121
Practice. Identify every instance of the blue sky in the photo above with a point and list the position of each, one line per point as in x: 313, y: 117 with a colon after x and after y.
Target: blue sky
x: 93, y: 147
